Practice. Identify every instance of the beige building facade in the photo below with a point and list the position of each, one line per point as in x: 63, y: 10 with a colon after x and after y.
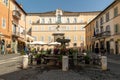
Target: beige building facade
x: 71, y: 24
x: 18, y: 29
x: 105, y: 30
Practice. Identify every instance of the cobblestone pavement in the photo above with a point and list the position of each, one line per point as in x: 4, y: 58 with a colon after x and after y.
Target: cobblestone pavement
x: 37, y: 73
x: 7, y: 56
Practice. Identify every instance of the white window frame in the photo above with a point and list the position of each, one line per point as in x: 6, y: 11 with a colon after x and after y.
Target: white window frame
x: 42, y: 28
x: 49, y: 38
x: 67, y: 28
x: 35, y: 38
x: 75, y: 28
x: 35, y: 28
x: 5, y: 2
x: 42, y: 38
x: 81, y: 38
x: 75, y: 38
x: 3, y: 23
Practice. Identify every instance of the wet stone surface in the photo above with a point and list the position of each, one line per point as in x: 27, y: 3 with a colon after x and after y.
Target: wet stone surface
x: 38, y: 73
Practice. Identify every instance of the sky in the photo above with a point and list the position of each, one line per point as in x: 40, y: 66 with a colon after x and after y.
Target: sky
x: 32, y: 6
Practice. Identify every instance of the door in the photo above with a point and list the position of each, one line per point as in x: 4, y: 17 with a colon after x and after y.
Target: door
x: 108, y: 47
x: 116, y: 47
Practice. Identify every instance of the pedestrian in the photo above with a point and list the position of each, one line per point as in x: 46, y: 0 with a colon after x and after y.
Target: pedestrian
x: 26, y: 50
x: 3, y: 50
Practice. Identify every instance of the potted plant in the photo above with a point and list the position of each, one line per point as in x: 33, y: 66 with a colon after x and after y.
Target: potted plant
x: 87, y: 59
x: 38, y: 58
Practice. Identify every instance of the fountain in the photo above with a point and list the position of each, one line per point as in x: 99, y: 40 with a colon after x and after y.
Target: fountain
x: 63, y: 41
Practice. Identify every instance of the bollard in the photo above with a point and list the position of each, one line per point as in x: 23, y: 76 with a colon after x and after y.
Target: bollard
x: 104, y: 63
x: 65, y: 63
x: 25, y: 61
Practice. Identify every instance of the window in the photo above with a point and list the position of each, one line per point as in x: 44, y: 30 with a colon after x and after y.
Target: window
x: 81, y: 20
x: 36, y: 28
x: 50, y: 21
x: 49, y: 38
x: 67, y: 28
x: 75, y: 28
x: 75, y: 38
x: 42, y: 28
x: 115, y: 11
x: 30, y: 21
x: 75, y: 20
x: 96, y: 24
x: 67, y: 37
x: 116, y: 28
x: 108, y: 28
x: 14, y: 28
x: 5, y: 2
x: 82, y: 38
x: 42, y: 38
x: 101, y: 29
x: 107, y: 17
x: 35, y: 38
x: 59, y: 18
x: 97, y: 31
x: 3, y: 22
x: 43, y: 21
x: 68, y: 20
x: 101, y: 20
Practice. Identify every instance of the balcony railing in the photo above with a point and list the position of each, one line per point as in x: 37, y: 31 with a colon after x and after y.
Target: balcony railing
x: 15, y: 33
x: 16, y: 14
x: 103, y: 34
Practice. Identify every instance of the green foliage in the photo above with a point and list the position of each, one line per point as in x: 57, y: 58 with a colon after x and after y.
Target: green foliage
x: 87, y: 58
x: 37, y: 56
x: 22, y: 52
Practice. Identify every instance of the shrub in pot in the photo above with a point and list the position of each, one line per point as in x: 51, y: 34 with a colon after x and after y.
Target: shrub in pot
x: 87, y: 59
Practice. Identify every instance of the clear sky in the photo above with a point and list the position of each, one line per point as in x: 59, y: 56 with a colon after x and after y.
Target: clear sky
x: 66, y: 5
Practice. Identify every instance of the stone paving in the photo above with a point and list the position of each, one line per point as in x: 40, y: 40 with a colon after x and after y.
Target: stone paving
x: 38, y: 73
x: 8, y: 56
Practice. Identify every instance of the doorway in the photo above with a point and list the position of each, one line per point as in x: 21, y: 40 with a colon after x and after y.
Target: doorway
x: 108, y: 47
x: 116, y: 47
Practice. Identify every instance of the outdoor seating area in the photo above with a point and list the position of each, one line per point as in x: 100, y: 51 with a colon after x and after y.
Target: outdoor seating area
x: 54, y: 57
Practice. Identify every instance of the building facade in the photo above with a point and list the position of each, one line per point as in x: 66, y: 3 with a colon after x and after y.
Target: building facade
x: 18, y: 21
x: 105, y: 33
x: 13, y: 35
x: 69, y: 24
x: 5, y: 26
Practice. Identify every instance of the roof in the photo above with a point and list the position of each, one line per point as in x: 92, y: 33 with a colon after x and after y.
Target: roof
x: 19, y: 6
x: 65, y: 13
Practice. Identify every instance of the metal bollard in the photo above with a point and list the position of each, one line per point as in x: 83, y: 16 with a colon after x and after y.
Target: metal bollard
x: 104, y: 63
x: 25, y: 61
x: 65, y: 63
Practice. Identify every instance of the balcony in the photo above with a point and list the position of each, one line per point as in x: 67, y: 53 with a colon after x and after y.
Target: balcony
x: 103, y: 34
x: 15, y: 34
x: 16, y: 14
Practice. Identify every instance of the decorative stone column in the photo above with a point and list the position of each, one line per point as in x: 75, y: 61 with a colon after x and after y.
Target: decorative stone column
x: 25, y: 61
x: 104, y: 62
x: 65, y: 62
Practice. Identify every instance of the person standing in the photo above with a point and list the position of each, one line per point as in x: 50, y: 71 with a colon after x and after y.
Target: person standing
x: 3, y: 50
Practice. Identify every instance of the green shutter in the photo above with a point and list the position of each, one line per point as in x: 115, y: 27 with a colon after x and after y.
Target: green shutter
x: 116, y: 28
